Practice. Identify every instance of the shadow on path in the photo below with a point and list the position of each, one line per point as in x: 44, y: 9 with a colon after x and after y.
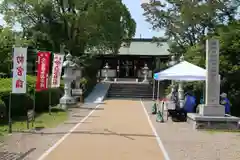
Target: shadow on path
x: 81, y: 116
x: 91, y: 108
x: 107, y: 133
x: 15, y: 156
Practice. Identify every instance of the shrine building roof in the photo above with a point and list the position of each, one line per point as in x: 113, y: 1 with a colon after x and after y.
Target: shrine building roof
x: 143, y: 47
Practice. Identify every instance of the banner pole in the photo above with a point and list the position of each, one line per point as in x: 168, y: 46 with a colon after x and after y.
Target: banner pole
x: 50, y: 95
x: 34, y: 106
x: 34, y: 97
x: 10, y: 98
x: 49, y: 86
x: 10, y: 114
x: 153, y: 89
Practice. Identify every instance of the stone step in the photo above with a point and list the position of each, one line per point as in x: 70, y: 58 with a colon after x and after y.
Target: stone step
x: 130, y: 93
x: 129, y: 96
x: 130, y: 89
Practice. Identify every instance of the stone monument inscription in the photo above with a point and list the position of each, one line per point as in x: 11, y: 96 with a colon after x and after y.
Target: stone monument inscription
x: 212, y: 79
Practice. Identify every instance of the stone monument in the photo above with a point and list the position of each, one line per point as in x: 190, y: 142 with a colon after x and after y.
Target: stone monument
x: 212, y: 106
x: 211, y: 114
x: 67, y: 99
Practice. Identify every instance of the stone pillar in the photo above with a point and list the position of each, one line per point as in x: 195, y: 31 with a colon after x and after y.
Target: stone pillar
x: 78, y: 73
x: 180, y: 89
x: 145, y: 72
x: 172, y: 63
x: 212, y: 106
x: 67, y: 99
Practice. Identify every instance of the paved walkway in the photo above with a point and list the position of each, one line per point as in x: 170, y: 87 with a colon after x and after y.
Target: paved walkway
x: 182, y: 142
x: 117, y: 130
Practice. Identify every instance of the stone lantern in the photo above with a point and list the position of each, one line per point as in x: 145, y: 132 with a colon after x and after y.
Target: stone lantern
x: 67, y: 99
x: 145, y: 72
x: 173, y: 61
x: 77, y: 73
x: 180, y: 88
x: 106, y: 69
x: 77, y: 92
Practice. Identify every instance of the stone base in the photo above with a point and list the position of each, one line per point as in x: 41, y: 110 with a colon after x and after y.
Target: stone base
x: 226, y: 122
x: 106, y: 79
x: 216, y: 110
x: 66, y: 102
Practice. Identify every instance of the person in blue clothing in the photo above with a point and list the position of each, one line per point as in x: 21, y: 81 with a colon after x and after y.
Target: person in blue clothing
x: 225, y: 101
x: 190, y: 102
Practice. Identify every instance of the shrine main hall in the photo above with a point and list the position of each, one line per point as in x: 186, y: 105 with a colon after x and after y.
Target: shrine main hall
x: 131, y: 59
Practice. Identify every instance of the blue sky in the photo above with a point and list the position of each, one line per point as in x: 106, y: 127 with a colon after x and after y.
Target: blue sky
x: 143, y: 27
x: 134, y: 6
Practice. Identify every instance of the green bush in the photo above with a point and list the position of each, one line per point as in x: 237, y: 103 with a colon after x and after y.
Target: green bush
x: 20, y: 103
x: 42, y: 98
x: 2, y: 111
x: 88, y: 84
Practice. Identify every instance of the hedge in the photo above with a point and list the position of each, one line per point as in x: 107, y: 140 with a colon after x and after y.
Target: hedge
x: 2, y: 110
x: 20, y: 103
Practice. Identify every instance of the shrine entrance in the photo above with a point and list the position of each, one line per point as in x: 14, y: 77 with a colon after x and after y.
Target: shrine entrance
x: 127, y: 69
x: 126, y: 66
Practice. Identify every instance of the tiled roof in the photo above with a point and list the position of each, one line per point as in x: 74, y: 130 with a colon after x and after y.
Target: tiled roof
x: 143, y: 47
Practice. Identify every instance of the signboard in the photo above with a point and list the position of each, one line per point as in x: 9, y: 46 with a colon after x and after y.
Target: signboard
x: 57, y: 70
x: 212, y: 66
x: 19, y: 70
x: 42, y: 70
x: 30, y: 117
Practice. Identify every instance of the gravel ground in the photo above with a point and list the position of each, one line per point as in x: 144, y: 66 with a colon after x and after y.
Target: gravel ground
x: 30, y: 146
x: 182, y: 142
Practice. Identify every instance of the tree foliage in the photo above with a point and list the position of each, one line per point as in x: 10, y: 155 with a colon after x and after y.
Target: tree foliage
x: 79, y: 24
x: 189, y: 23
x: 8, y: 39
x: 186, y: 22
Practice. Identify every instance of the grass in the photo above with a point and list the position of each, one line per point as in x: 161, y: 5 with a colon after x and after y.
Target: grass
x: 43, y: 120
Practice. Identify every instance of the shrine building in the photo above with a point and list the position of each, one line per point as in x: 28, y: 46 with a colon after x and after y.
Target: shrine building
x: 131, y: 59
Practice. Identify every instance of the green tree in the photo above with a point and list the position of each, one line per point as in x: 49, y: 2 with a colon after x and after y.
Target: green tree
x: 229, y: 36
x: 8, y: 39
x: 185, y: 22
x: 79, y: 24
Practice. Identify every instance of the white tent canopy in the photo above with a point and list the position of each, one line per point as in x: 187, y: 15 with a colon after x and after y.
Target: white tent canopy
x: 183, y: 71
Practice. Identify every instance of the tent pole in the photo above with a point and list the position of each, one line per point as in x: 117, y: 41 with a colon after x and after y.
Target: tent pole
x: 204, y: 85
x: 158, y: 92
x: 153, y: 89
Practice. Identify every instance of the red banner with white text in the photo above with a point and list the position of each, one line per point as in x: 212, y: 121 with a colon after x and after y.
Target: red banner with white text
x: 42, y: 70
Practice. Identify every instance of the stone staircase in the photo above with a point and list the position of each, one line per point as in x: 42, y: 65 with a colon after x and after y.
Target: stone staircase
x: 137, y: 90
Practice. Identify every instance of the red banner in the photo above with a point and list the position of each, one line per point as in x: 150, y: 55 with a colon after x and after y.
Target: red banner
x: 42, y: 70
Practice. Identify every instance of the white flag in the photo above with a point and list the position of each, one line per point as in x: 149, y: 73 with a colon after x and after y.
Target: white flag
x: 57, y: 70
x: 19, y: 79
